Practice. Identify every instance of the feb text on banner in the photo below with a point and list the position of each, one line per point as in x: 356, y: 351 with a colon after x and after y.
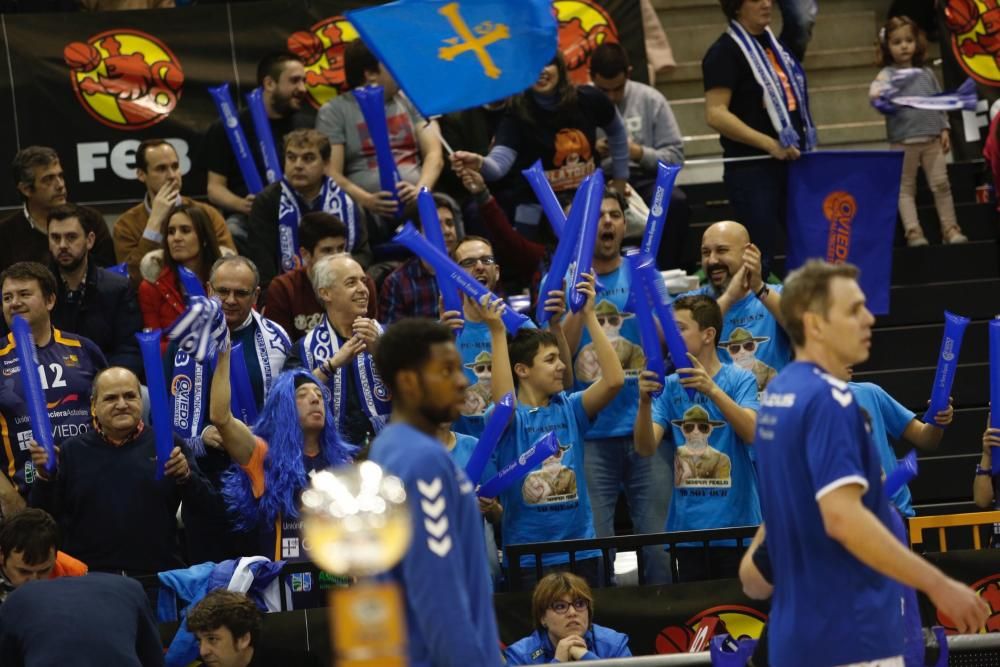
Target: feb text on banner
x: 842, y: 209
x: 449, y: 56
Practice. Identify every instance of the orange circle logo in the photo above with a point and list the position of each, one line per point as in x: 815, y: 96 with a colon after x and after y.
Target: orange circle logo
x: 322, y: 51
x: 126, y: 79
x: 988, y: 588
x: 975, y: 38
x: 583, y: 26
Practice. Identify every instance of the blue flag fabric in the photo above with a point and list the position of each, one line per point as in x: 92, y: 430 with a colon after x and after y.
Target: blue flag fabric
x: 449, y: 56
x: 842, y: 208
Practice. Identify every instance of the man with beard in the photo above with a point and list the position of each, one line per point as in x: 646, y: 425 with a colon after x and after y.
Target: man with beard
x: 612, y: 464
x: 732, y: 266
x: 278, y: 209
x: 281, y: 76
x: 709, y: 437
x: 339, y: 350
x: 40, y: 181
x: 90, y: 301
x: 452, y: 624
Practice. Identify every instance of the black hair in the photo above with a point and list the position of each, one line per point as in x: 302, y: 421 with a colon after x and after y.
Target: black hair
x: 319, y: 225
x: 66, y: 211
x: 33, y: 533
x: 525, y: 345
x: 608, y: 61
x: 704, y: 310
x: 226, y: 609
x: 31, y: 271
x: 406, y: 345
x: 140, y: 152
x: 27, y: 160
x: 273, y: 64
x: 358, y: 60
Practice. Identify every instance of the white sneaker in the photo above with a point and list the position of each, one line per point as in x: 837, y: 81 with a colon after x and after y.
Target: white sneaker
x: 957, y: 237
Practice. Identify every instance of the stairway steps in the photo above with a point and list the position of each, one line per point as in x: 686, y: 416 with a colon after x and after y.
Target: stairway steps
x: 912, y: 386
x: 963, y: 436
x: 924, y: 304
x: 899, y: 347
x: 967, y: 261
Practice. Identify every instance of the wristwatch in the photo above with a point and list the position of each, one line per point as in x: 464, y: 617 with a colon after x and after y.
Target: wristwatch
x: 763, y: 291
x: 983, y: 471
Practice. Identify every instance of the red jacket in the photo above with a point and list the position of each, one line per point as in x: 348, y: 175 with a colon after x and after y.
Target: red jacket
x: 161, y: 302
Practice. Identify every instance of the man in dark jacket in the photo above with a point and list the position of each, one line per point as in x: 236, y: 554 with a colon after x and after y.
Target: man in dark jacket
x: 91, y: 301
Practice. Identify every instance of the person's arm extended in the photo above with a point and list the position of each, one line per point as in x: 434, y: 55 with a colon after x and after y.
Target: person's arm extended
x: 503, y: 376
x: 555, y: 303
x: 928, y: 436
x: 431, y: 152
x: 755, y: 586
x: 982, y: 487
x: 743, y: 420
x: 646, y: 434
x: 603, y: 391
x: 725, y: 122
x: 220, y: 195
x: 618, y: 146
x: 847, y: 521
x: 237, y: 439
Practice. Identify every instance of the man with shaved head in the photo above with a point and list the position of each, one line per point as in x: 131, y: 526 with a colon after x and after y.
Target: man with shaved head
x: 752, y: 337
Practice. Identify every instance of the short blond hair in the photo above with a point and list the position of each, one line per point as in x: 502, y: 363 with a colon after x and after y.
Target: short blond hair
x: 807, y: 289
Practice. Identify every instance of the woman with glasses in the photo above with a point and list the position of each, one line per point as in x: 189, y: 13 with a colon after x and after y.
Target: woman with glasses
x: 562, y: 607
x: 188, y: 241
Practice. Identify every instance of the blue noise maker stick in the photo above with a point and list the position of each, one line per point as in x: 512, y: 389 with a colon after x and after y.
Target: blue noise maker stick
x: 446, y: 267
x: 431, y: 224
x: 265, y: 139
x: 650, y: 338
x: 242, y: 401
x: 34, y: 397
x: 237, y: 139
x: 535, y: 176
x: 666, y: 174
x: 515, y: 471
x: 492, y: 432
x: 159, y: 406
x: 944, y: 376
x: 562, y: 256
x: 372, y: 103
x: 583, y: 260
x: 190, y: 282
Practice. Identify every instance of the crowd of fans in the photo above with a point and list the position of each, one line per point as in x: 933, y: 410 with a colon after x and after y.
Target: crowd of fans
x: 306, y: 321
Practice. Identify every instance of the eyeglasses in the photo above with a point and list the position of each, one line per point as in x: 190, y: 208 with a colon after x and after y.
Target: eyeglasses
x: 225, y: 292
x: 483, y: 368
x: 469, y: 262
x: 689, y: 427
x: 749, y: 346
x: 561, y: 606
x: 612, y: 320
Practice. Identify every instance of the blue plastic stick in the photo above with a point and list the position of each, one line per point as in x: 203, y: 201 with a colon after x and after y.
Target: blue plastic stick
x: 237, y: 138
x: 34, y: 396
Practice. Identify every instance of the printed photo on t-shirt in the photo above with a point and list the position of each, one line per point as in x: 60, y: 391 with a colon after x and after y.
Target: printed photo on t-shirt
x: 479, y: 394
x: 696, y: 462
x: 631, y: 356
x: 553, y: 482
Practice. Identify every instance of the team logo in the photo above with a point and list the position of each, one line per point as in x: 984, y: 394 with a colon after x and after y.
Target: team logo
x: 583, y: 26
x: 975, y: 37
x: 740, y: 622
x: 988, y: 589
x: 125, y: 79
x: 71, y: 398
x: 180, y: 387
x: 322, y: 51
x: 839, y: 208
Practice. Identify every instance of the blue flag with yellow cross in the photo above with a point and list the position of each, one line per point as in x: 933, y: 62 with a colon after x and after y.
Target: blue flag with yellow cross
x: 453, y: 55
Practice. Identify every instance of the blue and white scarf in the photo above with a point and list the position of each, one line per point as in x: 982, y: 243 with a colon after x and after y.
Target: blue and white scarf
x: 321, y: 344
x: 770, y: 81
x: 964, y: 97
x: 191, y: 377
x: 332, y: 199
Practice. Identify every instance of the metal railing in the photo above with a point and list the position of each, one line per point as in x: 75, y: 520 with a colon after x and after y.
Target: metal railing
x: 513, y: 552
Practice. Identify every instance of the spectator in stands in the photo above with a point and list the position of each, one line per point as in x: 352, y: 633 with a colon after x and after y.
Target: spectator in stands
x: 411, y: 289
x: 278, y: 209
x: 984, y: 491
x: 29, y: 551
x: 189, y: 243
x: 754, y: 120
x: 90, y: 301
x: 291, y: 300
x: 923, y: 135
x: 715, y: 485
x: 139, y: 230
x: 552, y: 503
x: 295, y: 434
x: 228, y: 626
x: 752, y: 335
x: 281, y: 77
x: 339, y: 350
x: 653, y: 136
x: 612, y: 464
x: 67, y: 364
x: 116, y: 516
x: 469, y: 130
x: 39, y: 178
x: 562, y: 607
x: 556, y: 122
x: 453, y: 624
x: 264, y: 346
x: 415, y: 142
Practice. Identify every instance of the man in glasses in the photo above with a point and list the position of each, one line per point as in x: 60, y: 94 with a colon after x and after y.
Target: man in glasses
x: 709, y: 436
x: 742, y: 347
x: 235, y: 282
x: 732, y: 268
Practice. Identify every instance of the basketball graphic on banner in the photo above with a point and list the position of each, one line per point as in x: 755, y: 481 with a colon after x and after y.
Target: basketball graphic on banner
x: 322, y: 51
x: 975, y: 38
x: 583, y: 26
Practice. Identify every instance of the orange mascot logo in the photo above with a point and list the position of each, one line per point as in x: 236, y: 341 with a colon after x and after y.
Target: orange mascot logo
x: 975, y: 37
x: 583, y: 26
x: 322, y: 51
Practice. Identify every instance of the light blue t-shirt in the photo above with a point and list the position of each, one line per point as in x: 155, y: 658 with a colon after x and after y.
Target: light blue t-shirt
x: 622, y: 331
x: 888, y: 418
x: 714, y: 481
x: 550, y: 504
x: 462, y: 452
x: 811, y: 439
x: 766, y: 350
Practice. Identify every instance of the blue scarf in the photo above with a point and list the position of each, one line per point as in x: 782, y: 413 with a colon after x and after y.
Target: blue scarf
x: 770, y: 81
x: 321, y: 344
x: 190, y: 378
x: 332, y: 200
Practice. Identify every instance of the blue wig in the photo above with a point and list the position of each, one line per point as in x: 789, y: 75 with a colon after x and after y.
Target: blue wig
x: 284, y: 470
